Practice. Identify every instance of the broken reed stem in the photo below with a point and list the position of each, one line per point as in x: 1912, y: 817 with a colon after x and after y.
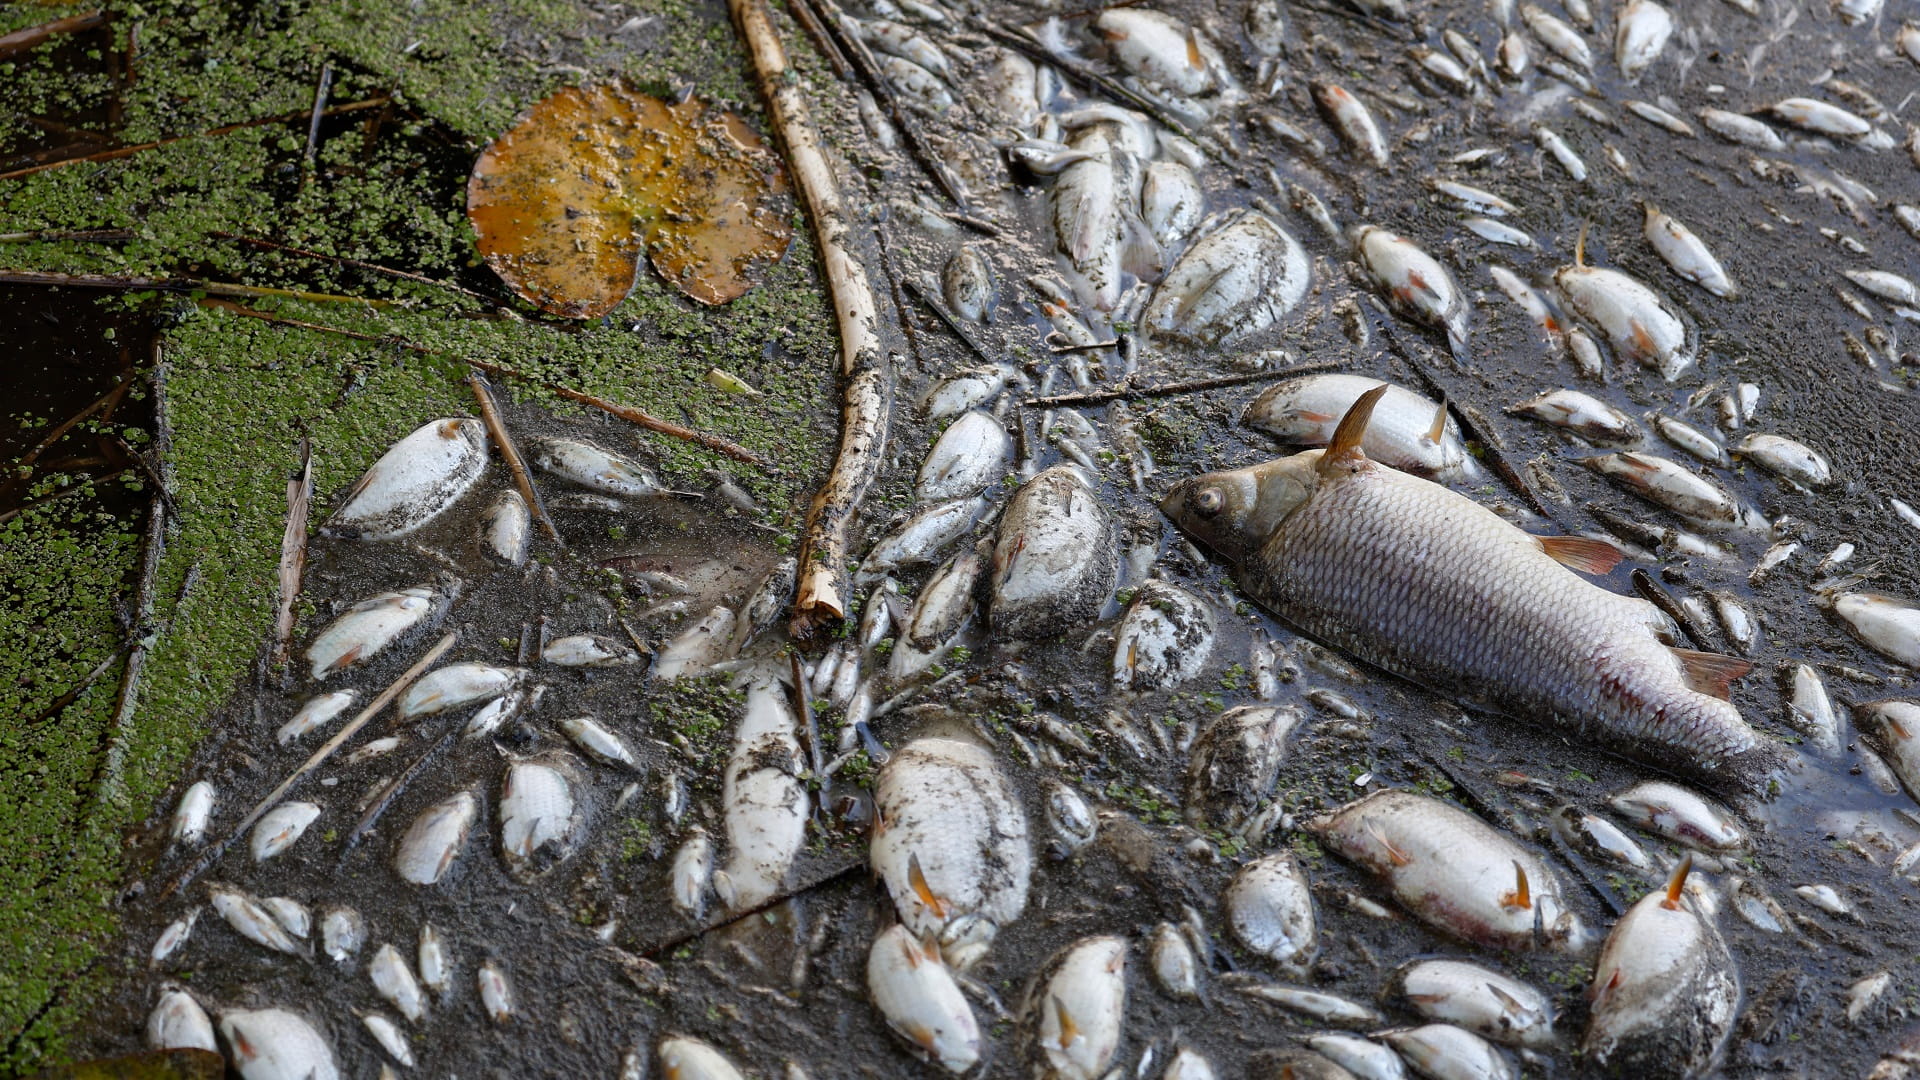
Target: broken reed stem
x: 107, y: 401
x: 946, y: 318
x: 21, y: 40
x: 110, y: 777
x: 85, y: 485
x: 212, y: 288
x: 822, y: 596
x: 214, y: 851
x: 625, y: 412
x: 342, y: 260
x: 319, y: 113
x: 490, y: 413
x: 826, y: 878
x: 293, y: 552
x: 1195, y: 386
x: 393, y: 789
x: 129, y: 151
x: 48, y: 236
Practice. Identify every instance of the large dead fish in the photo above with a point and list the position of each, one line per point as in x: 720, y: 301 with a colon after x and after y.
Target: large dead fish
x: 1432, y: 586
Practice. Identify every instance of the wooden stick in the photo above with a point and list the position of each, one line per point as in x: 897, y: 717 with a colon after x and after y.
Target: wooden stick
x: 392, y: 791
x: 48, y: 236
x: 88, y: 484
x: 355, y: 263
x: 522, y: 479
x: 1140, y: 393
x: 21, y: 40
x: 129, y: 151
x: 319, y: 113
x: 216, y: 288
x: 822, y: 594
x: 213, y: 852
x: 293, y: 552
x: 946, y: 318
x: 826, y: 877
x: 105, y: 401
x: 109, y: 777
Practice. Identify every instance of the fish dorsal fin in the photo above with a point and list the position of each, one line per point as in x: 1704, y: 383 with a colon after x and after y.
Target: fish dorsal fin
x: 1344, y: 450
x: 1677, y: 884
x: 1711, y: 673
x: 1582, y: 553
x: 1438, y: 430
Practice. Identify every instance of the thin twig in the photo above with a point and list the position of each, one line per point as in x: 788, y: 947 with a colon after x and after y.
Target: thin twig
x: 319, y: 112
x: 821, y: 597
x: 827, y: 45
x: 355, y: 263
x: 49, y: 236
x: 393, y: 789
x: 732, y: 917
x: 1140, y: 393
x: 522, y: 479
x: 21, y: 40
x: 109, y: 777
x: 129, y: 151
x: 215, y: 288
x: 85, y: 485
x: 105, y: 401
x: 293, y: 552
x: 612, y: 408
x: 214, y: 851
x: 72, y: 695
x: 946, y: 318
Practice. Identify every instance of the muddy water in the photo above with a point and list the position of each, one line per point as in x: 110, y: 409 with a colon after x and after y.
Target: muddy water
x: 599, y: 961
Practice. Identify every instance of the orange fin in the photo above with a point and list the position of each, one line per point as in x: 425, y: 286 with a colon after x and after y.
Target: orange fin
x: 1439, y: 429
x: 1600, y: 992
x: 1711, y: 673
x: 1582, y: 553
x: 917, y: 880
x: 1194, y: 59
x: 1507, y: 1001
x: 1677, y: 884
x: 1394, y: 855
x: 1345, y: 450
x: 1069, y: 1031
x: 1643, y: 342
x: 1899, y: 730
x: 1521, y: 897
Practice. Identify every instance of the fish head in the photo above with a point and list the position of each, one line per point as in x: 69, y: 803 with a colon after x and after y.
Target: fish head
x: 1234, y: 512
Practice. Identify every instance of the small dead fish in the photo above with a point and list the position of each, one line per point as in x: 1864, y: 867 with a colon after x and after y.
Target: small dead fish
x: 1414, y: 282
x: 967, y: 282
x: 1742, y: 130
x: 1895, y: 726
x: 1364, y: 1059
x: 1811, y: 711
x: 1583, y: 415
x: 943, y: 611
x: 342, y: 933
x: 455, y: 685
x: 597, y: 742
x: 417, y: 480
x: 696, y: 649
x: 506, y: 526
x: 1820, y: 118
x: 1664, y: 990
x: 1680, y: 815
x: 1236, y: 762
x: 317, y: 712
x: 1637, y: 321
x: 1409, y: 432
x: 1164, y: 639
x: 390, y: 1037
x: 971, y: 453
x: 1351, y: 118
x: 1671, y: 485
x: 368, y: 627
x: 964, y: 390
x: 177, y: 1022
x: 1640, y: 32
x: 1171, y: 202
x: 172, y: 938
x: 1238, y: 279
x: 1175, y: 968
x: 1596, y: 834
x: 496, y: 994
x: 275, y: 1044
x: 489, y: 718
x: 1478, y: 999
x: 1041, y: 157
x: 1157, y: 47
x: 684, y: 1058
x: 588, y: 650
x: 1888, y: 626
x: 190, y: 817
x: 594, y: 468
x: 1691, y: 439
x: 393, y: 980
x: 280, y: 828
x: 691, y: 875
x: 427, y: 849
x: 1686, y: 253
x: 1562, y: 154
x: 1270, y: 908
x: 1069, y: 818
x: 1081, y: 1007
x: 765, y: 800
x: 1474, y: 199
x: 915, y: 86
x: 539, y: 819
x: 251, y: 920
x: 1660, y: 118
x: 1055, y: 561
x: 925, y: 536
x: 1786, y: 458
x: 922, y: 1003
x: 1513, y: 58
x: 1557, y: 35
x: 1327, y: 1008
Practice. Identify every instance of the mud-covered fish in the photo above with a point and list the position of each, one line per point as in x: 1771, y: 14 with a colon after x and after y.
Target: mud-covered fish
x: 1432, y: 586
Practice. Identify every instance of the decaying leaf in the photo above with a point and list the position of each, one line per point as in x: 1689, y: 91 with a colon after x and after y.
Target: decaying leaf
x: 567, y: 200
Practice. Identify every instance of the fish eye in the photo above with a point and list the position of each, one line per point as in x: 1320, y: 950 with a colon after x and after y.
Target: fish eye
x: 1208, y: 501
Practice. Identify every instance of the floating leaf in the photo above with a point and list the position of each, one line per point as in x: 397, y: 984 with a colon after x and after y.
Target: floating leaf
x: 568, y: 198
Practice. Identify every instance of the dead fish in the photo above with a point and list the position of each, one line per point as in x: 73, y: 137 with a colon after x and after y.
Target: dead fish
x: 188, y: 825
x: 922, y: 1003
x: 1361, y: 1058
x: 1446, y: 69
x: 1669, y: 484
x: 1086, y: 216
x: 942, y: 613
x: 1414, y: 282
x: 695, y: 650
x: 1786, y: 458
x: 1680, y: 815
x: 967, y: 281
x: 1473, y: 199
x: 280, y: 828
x: 1351, y: 118
x: 1583, y: 415
x: 924, y: 536
x: 967, y: 389
x: 369, y: 626
x: 1743, y: 130
x: 593, y: 468
x: 1637, y: 321
x: 953, y: 849
x: 390, y: 1037
x: 1685, y: 253
x: 1069, y: 818
x: 1820, y: 118
x: 691, y: 874
x: 766, y: 804
x: 415, y: 482
x: 342, y: 933
x: 1478, y: 999
x: 1314, y: 1004
x: 172, y: 938
x: 1497, y: 232
x: 1171, y: 957
x: 1664, y: 990
x: 1895, y: 726
x: 892, y: 39
x: 1236, y: 280
x: 1055, y: 561
x: 1043, y: 157
x: 1562, y: 154
x: 506, y: 526
x: 1640, y: 32
x: 1345, y: 550
x: 177, y: 1022
x: 1690, y: 439
x: 393, y: 980
x: 1513, y: 59
x: 539, y: 818
x: 1171, y: 202
x: 1409, y: 432
x: 1080, y: 1007
x: 275, y: 1044
x: 1446, y: 1052
x: 1156, y: 47
x: 1454, y: 871
x: 1164, y: 639
x: 1270, y: 908
x: 1557, y: 35
x: 1236, y: 762
x: 588, y: 650
x: 427, y: 849
x: 915, y: 86
x: 455, y: 685
x: 684, y: 1058
x: 1595, y: 834
x: 489, y: 718
x: 1888, y: 626
x: 1661, y: 118
x: 971, y: 453
x: 496, y: 993
x: 1811, y: 711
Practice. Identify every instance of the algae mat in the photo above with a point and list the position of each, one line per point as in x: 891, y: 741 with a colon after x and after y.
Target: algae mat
x: 383, y: 183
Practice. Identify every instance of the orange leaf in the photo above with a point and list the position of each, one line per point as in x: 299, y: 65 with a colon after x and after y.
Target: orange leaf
x: 568, y: 199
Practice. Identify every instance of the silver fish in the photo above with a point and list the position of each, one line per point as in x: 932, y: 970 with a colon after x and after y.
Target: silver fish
x: 280, y: 828
x: 1888, y: 626
x: 178, y: 1022
x: 506, y: 527
x: 275, y: 1044
x: 1557, y: 35
x: 1164, y: 639
x: 1238, y: 279
x: 587, y: 650
x: 1483, y: 1001
x: 1055, y: 560
x: 455, y: 685
x: 1664, y: 990
x: 1640, y: 32
x: 1355, y: 123
x: 342, y: 932
x: 368, y: 627
x: 539, y: 818
x: 1236, y: 762
x: 593, y: 468
x: 1583, y: 415
x: 1082, y: 1008
x: 683, y: 1058
x: 1344, y: 549
x: 922, y: 1003
x: 413, y: 483
x: 764, y: 798
x: 1408, y: 432
x: 1686, y: 253
x: 970, y: 454
x: 967, y: 281
x: 1638, y: 322
x: 496, y: 993
x: 189, y: 823
x: 393, y: 980
x: 1414, y: 282
x: 1443, y: 1050
x: 427, y: 850
x: 1270, y: 908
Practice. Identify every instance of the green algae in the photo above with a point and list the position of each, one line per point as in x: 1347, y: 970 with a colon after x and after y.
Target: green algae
x: 385, y: 185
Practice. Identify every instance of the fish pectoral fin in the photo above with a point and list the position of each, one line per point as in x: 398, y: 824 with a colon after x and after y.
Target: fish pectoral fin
x: 1711, y: 673
x: 1069, y: 1031
x: 1438, y: 430
x: 1677, y: 884
x: 917, y: 881
x: 1344, y: 451
x: 1587, y: 555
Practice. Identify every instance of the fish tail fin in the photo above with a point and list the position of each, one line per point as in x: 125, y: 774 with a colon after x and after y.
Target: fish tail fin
x: 1711, y: 673
x: 1344, y: 450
